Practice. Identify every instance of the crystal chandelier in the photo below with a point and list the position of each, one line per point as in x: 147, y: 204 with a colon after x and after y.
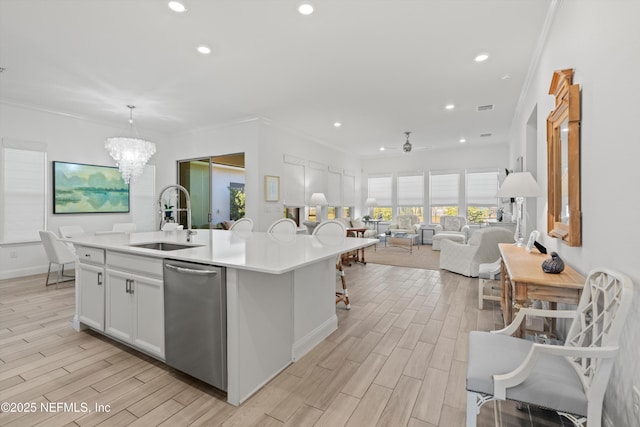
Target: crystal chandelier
x: 130, y: 154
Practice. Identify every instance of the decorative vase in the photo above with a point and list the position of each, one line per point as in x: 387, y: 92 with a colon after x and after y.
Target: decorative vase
x: 553, y: 265
x: 167, y: 214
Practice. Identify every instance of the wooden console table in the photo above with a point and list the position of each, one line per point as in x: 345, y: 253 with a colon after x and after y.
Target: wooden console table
x: 522, y: 280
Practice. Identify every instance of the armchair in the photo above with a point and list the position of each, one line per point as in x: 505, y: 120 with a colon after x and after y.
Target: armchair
x: 450, y: 228
x: 405, y: 224
x: 482, y: 248
x: 570, y: 379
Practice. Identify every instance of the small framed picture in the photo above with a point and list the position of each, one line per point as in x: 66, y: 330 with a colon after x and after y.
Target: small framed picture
x: 271, y: 188
x: 532, y: 239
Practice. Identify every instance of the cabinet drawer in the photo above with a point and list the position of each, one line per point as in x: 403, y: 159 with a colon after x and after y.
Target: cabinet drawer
x: 91, y: 255
x: 135, y: 263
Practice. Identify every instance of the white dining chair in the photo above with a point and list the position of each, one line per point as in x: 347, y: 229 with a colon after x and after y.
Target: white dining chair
x: 243, y: 224
x: 58, y: 253
x: 335, y: 228
x: 283, y: 225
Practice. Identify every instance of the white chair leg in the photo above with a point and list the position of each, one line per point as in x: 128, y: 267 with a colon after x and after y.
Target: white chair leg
x: 472, y: 409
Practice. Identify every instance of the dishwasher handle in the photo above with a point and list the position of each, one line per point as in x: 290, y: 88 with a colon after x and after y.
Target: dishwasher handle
x: 189, y: 270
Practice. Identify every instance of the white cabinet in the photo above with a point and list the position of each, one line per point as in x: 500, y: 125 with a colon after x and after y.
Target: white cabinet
x: 90, y: 280
x: 135, y: 302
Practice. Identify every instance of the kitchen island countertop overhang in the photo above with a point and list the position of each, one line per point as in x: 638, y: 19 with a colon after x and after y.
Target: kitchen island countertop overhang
x: 255, y: 251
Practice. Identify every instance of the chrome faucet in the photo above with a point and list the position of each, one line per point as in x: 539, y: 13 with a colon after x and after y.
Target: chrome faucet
x: 190, y: 232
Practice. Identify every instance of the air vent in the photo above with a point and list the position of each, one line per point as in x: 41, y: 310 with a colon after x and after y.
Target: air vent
x: 487, y: 107
x: 485, y: 135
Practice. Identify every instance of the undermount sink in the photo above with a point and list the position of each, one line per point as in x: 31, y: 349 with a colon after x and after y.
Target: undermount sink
x: 164, y: 246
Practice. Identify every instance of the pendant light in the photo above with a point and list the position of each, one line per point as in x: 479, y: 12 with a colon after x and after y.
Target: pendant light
x: 131, y: 154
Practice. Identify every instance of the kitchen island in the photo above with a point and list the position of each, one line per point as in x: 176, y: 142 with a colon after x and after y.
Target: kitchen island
x: 280, y: 293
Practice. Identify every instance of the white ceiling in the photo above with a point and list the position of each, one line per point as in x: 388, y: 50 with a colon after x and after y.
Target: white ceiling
x: 381, y: 67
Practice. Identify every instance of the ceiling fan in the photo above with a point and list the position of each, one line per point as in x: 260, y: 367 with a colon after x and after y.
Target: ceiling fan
x: 407, y: 147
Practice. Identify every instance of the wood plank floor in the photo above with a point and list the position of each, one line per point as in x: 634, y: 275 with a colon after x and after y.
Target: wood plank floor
x: 398, y: 358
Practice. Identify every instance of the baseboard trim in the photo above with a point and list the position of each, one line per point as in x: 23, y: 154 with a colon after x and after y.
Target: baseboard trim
x: 22, y: 272
x: 313, y: 338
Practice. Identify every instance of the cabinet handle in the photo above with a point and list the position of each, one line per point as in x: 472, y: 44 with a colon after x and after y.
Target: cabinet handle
x: 131, y: 283
x: 126, y: 285
x: 99, y: 279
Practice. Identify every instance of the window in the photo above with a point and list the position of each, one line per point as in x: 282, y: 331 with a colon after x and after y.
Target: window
x: 24, y: 193
x: 482, y: 203
x: 380, y: 187
x: 445, y: 189
x: 331, y: 212
x: 346, y: 212
x: 411, y: 195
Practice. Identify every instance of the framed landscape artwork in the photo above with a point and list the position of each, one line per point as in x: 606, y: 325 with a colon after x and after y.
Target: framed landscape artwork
x: 80, y: 188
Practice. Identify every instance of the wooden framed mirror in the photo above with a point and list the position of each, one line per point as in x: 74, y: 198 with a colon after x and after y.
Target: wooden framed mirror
x: 564, y: 218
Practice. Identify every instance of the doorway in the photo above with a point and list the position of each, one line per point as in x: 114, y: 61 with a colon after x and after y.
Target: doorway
x: 216, y: 186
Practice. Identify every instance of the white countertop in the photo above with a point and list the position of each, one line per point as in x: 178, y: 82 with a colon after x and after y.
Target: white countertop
x: 256, y: 251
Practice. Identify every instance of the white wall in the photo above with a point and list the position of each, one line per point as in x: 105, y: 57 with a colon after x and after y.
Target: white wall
x: 275, y: 142
x: 599, y: 40
x: 69, y: 139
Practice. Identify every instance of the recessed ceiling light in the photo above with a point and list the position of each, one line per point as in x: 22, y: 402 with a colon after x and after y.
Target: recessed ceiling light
x: 449, y: 106
x: 337, y: 124
x: 205, y: 50
x: 305, y: 8
x: 177, y: 6
x: 462, y: 140
x: 482, y: 57
x: 381, y: 148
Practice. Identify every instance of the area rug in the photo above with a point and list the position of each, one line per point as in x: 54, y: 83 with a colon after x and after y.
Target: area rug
x: 421, y: 257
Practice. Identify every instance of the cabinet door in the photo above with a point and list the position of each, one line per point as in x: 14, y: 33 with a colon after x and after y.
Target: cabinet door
x: 91, y: 295
x: 148, y: 295
x: 119, y: 305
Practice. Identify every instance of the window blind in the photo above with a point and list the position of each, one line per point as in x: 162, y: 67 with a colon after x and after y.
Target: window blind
x: 24, y: 194
x: 411, y: 190
x: 293, y: 184
x: 482, y: 188
x: 380, y: 187
x: 334, y: 189
x: 315, y: 181
x: 445, y: 189
x: 348, y: 190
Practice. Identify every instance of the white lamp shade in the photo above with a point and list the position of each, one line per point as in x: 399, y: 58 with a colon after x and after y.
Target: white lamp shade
x: 371, y: 201
x: 519, y: 184
x: 318, y: 199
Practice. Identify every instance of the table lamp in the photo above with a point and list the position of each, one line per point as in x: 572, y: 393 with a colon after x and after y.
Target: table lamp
x: 519, y: 185
x: 370, y: 203
x: 319, y: 200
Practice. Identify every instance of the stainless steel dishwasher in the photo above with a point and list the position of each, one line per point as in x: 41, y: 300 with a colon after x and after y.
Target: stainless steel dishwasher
x: 195, y: 320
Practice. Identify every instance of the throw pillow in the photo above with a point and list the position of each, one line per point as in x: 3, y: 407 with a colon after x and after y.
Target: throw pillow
x: 404, y: 222
x: 357, y: 223
x: 452, y: 224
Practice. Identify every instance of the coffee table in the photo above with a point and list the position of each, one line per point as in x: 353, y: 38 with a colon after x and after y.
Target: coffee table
x: 401, y: 240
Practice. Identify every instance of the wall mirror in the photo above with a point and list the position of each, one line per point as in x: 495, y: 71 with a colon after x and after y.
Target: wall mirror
x: 563, y: 157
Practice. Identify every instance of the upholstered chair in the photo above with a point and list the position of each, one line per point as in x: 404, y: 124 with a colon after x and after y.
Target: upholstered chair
x: 482, y: 248
x: 450, y: 228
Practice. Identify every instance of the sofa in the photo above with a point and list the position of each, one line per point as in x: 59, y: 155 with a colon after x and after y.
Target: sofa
x: 482, y: 248
x: 405, y: 224
x: 357, y: 223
